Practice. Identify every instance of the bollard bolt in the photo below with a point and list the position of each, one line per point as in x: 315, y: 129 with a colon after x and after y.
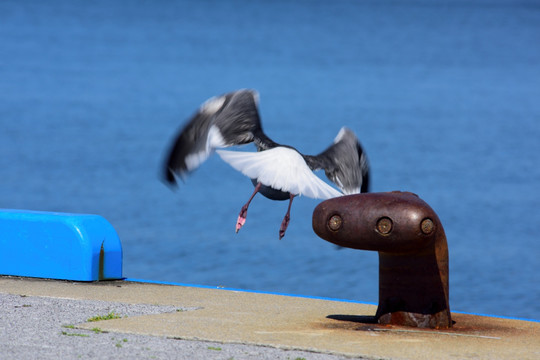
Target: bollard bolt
x: 384, y: 225
x: 427, y: 226
x: 335, y: 223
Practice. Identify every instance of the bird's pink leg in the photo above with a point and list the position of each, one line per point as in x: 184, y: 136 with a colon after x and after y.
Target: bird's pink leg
x: 285, y: 222
x: 243, y: 212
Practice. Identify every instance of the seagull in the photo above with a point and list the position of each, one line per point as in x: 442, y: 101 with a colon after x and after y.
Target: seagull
x: 278, y: 172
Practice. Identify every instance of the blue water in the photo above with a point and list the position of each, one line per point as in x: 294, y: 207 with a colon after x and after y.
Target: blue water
x: 444, y: 96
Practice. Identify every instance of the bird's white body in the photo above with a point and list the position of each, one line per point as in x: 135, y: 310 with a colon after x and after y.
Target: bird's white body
x: 281, y: 168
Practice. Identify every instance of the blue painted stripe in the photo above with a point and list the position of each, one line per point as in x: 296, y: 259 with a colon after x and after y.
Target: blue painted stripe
x: 248, y: 291
x: 305, y: 297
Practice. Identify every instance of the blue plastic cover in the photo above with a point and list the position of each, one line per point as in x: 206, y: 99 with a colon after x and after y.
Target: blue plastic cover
x: 59, y: 246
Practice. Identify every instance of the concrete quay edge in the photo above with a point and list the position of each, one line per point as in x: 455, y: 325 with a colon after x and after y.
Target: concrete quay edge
x: 286, y: 322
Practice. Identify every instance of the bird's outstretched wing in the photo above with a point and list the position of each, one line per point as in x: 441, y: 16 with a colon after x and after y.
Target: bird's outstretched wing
x: 345, y: 163
x: 281, y: 168
x: 226, y: 120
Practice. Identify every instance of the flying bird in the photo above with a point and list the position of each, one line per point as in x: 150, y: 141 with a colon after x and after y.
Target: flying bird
x: 279, y: 172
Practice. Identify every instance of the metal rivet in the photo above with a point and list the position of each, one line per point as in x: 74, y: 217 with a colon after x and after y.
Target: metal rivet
x: 384, y: 225
x: 427, y: 226
x: 335, y: 222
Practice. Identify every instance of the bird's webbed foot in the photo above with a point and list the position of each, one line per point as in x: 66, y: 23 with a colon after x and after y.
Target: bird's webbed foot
x: 284, y: 225
x: 243, y: 212
x: 241, y: 218
x: 286, y: 219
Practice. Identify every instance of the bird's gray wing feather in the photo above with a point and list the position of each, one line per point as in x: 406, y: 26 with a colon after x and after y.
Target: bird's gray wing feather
x: 222, y: 121
x: 344, y: 162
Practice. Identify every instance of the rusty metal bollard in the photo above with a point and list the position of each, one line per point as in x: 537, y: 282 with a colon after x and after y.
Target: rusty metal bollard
x: 413, y: 253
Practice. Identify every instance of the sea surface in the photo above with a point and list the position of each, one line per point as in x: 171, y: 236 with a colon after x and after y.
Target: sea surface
x: 444, y: 96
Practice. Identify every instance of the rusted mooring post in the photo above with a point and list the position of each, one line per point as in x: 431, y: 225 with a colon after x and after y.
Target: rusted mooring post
x: 413, y: 253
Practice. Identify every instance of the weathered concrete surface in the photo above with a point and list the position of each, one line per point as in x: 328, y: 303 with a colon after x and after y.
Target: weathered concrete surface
x: 324, y: 326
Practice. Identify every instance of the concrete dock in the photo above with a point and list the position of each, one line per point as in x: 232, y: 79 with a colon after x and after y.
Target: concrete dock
x: 46, y: 319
